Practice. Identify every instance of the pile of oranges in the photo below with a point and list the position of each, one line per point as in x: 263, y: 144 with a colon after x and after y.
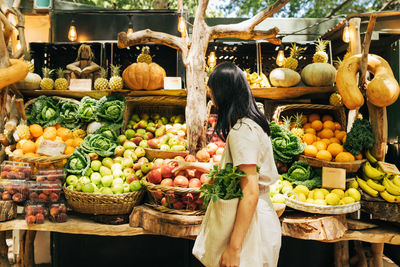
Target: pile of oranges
x: 29, y: 147
x: 325, y: 138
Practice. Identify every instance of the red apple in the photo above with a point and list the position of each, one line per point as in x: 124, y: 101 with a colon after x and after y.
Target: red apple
x: 198, y: 174
x: 181, y: 181
x: 190, y: 158
x: 202, y: 155
x: 194, y: 183
x: 204, y: 179
x: 154, y: 176
x: 219, y: 151
x: 157, y: 195
x: 211, y: 148
x: 188, y: 198
x: 131, y: 178
x: 164, y: 202
x: 166, y: 170
x: 178, y: 205
x: 154, y: 143
x: 167, y: 182
x: 180, y: 173
x: 158, y: 163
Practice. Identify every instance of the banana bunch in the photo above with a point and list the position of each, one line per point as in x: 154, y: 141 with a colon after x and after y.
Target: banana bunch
x: 257, y: 80
x: 376, y: 182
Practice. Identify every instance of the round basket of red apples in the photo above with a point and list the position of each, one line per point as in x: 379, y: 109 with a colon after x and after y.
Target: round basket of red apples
x: 179, y: 193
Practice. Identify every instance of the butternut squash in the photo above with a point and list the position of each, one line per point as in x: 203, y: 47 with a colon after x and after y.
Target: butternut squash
x: 383, y: 90
x: 15, y: 72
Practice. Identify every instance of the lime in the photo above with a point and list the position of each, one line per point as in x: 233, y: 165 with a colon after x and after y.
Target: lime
x: 332, y: 199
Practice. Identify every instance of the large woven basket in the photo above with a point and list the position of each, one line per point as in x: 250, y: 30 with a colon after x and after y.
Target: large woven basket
x: 163, y: 154
x: 105, y: 204
x: 157, y: 192
x: 320, y: 209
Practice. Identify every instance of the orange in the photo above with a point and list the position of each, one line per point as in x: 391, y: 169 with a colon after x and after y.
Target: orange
x: 320, y: 145
x: 310, y: 151
x: 326, y: 141
x: 77, y: 142
x: 304, y: 119
x: 311, y: 131
x: 327, y: 117
x: 338, y: 126
x: 309, y: 138
x: 59, y: 139
x: 326, y: 134
x: 28, y: 147
x: 335, y: 149
x: 51, y: 128
x: 344, y: 157
x: 359, y: 156
x: 18, y: 152
x: 317, y: 125
x: 69, y: 142
x: 64, y: 133
x: 313, y: 117
x: 69, y: 150
x: 344, y: 139
x: 307, y: 126
x: 329, y: 125
x: 20, y: 143
x: 318, y: 138
x: 340, y: 135
x: 50, y: 135
x: 324, y: 155
x: 334, y: 140
x: 36, y: 130
x: 31, y: 154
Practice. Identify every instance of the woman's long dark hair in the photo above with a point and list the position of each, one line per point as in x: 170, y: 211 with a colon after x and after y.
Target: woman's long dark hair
x: 232, y: 96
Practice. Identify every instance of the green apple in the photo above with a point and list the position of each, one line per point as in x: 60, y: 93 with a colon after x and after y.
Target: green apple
x: 164, y: 120
x: 78, y: 187
x: 128, y: 171
x: 129, y: 145
x: 117, y: 160
x: 177, y: 148
x: 146, y: 167
x: 141, y: 131
x: 127, y: 188
x: 135, y: 117
x: 72, y: 180
x: 84, y: 180
x: 71, y: 187
x: 117, y: 189
x: 130, y: 133
x: 117, y: 180
x: 165, y: 147
x: 140, y: 152
x: 95, y: 165
x: 129, y: 153
x: 88, y: 188
x: 127, y: 162
x: 119, y: 151
x: 107, y: 162
x: 107, y: 180
x: 106, y: 190
x: 139, y: 174
x: 116, y: 166
x: 121, y: 139
x: 88, y: 172
x: 173, y: 141
x: 95, y: 178
x: 135, y: 186
x: 144, y: 144
x: 118, y: 173
x: 104, y: 171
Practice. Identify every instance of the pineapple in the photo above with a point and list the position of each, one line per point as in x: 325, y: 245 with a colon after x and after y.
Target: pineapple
x: 101, y: 83
x: 23, y: 132
x: 47, y: 83
x: 27, y: 59
x: 79, y: 133
x: 291, y: 62
x: 320, y: 55
x: 337, y: 62
x: 61, y: 83
x: 286, y: 121
x: 336, y: 100
x: 145, y: 55
x: 115, y: 82
x: 298, y: 130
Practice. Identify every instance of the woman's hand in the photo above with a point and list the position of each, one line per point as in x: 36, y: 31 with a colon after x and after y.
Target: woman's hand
x: 230, y: 257
x: 181, y: 165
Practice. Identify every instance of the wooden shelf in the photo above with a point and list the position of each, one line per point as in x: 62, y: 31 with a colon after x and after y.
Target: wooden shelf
x: 73, y: 94
x: 277, y: 93
x: 162, y: 92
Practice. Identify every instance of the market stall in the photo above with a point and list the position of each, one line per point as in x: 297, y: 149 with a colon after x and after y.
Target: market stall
x: 92, y: 149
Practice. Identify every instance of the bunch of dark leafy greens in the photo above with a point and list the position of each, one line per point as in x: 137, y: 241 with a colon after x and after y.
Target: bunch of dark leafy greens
x: 224, y: 184
x: 300, y: 173
x: 78, y: 163
x: 285, y: 145
x: 360, y: 137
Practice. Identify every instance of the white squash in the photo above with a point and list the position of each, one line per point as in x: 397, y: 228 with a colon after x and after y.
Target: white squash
x: 31, y: 81
x: 318, y: 74
x: 283, y: 77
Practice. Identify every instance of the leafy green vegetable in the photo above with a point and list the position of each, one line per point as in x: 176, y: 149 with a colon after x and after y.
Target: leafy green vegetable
x: 78, y: 163
x: 110, y: 109
x: 69, y: 115
x: 224, y: 184
x: 102, y: 142
x: 87, y: 109
x: 285, y: 145
x: 45, y: 111
x: 360, y: 137
x: 300, y: 173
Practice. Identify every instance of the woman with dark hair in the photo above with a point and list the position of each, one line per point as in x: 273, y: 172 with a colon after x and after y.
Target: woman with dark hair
x: 246, y: 133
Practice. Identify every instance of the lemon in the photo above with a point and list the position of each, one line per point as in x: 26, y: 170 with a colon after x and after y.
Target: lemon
x: 348, y: 200
x: 354, y: 193
x: 303, y: 189
x: 338, y: 192
x: 341, y: 202
x: 286, y: 188
x: 320, y: 202
x: 318, y: 194
x: 310, y: 201
x: 332, y: 199
x: 311, y: 194
x: 352, y: 184
x: 325, y: 191
x: 286, y: 183
x: 302, y: 197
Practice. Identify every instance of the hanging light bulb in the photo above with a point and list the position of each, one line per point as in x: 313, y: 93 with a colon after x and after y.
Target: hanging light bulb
x: 18, y: 46
x: 130, y: 28
x: 346, y: 32
x: 212, y: 60
x: 182, y: 26
x: 72, y: 34
x: 280, y: 58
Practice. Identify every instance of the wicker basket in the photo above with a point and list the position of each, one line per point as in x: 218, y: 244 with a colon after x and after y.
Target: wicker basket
x: 104, y: 204
x: 350, y: 167
x: 288, y: 110
x: 320, y: 209
x: 189, y: 197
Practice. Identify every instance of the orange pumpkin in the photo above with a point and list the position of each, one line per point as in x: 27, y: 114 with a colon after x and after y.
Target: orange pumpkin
x: 143, y: 76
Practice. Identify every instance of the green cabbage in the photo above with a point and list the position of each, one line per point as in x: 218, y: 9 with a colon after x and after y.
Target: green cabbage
x: 45, y: 111
x: 87, y: 109
x: 102, y: 142
x: 69, y: 115
x: 78, y: 163
x: 110, y: 109
x: 300, y: 173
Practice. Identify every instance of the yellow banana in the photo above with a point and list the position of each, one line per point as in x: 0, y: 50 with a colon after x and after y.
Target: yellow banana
x: 374, y: 185
x: 390, y: 187
x: 390, y: 198
x: 370, y: 158
x: 372, y: 172
x: 366, y: 188
x: 396, y: 180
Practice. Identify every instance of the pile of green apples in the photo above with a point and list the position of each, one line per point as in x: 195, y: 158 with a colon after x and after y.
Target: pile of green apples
x: 156, y: 131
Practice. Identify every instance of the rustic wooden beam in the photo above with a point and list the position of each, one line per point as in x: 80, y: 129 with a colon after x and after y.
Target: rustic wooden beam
x: 21, y: 33
x: 378, y: 14
x: 365, y: 50
x: 341, y: 254
x: 244, y: 34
